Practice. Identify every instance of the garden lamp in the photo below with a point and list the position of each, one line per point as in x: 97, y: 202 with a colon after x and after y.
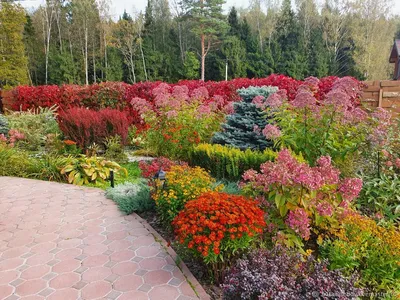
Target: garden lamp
x: 161, y: 175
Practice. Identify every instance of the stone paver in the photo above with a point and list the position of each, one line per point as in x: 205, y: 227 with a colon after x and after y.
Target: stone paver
x: 61, y: 242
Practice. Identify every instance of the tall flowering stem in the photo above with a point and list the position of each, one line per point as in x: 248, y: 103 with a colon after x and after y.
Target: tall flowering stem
x: 303, y: 201
x: 335, y: 125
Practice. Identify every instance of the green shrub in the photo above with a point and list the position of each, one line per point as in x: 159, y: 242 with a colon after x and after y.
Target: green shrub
x: 367, y: 248
x: 226, y: 162
x: 35, y: 125
x: 14, y: 162
x: 380, y: 195
x: 4, y: 128
x: 131, y: 197
x: 48, y: 167
x: 115, y: 149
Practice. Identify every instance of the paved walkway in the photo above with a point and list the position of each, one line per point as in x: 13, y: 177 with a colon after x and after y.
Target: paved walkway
x: 64, y: 242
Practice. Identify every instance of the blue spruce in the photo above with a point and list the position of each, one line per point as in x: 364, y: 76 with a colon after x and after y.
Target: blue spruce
x: 238, y: 131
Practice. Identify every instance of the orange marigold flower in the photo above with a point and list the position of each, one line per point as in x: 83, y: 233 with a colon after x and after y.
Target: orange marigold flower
x: 69, y: 142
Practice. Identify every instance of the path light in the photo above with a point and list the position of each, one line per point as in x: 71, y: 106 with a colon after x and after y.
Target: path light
x: 161, y: 176
x: 111, y: 178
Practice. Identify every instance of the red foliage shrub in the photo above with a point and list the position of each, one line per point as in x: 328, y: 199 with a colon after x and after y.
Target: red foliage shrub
x: 86, y: 126
x: 118, y: 95
x: 150, y: 168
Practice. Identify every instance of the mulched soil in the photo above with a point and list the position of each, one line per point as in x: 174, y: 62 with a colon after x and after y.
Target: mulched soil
x: 197, y: 268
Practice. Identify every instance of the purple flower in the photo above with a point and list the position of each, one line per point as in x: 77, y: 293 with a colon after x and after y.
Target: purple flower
x: 271, y: 132
x: 180, y: 92
x: 200, y: 93
x: 312, y: 81
x: 141, y: 105
x: 338, y: 99
x: 304, y: 99
x: 276, y: 99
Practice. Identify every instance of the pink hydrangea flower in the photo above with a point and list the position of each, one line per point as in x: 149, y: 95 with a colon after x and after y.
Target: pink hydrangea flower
x: 162, y: 89
x: 350, y: 188
x: 312, y: 81
x: 385, y: 153
x: 229, y: 108
x: 271, y: 132
x: 298, y: 221
x: 15, y: 136
x: 382, y: 115
x: 325, y: 209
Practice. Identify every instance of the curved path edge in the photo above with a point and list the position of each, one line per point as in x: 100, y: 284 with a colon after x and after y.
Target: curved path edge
x: 60, y: 241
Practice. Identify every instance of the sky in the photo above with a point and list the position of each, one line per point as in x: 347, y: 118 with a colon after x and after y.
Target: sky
x: 118, y: 6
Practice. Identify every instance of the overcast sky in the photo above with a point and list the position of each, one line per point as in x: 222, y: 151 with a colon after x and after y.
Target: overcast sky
x: 118, y: 6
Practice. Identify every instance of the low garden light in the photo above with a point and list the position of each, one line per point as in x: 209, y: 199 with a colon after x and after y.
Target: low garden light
x: 112, y: 178
x: 161, y: 177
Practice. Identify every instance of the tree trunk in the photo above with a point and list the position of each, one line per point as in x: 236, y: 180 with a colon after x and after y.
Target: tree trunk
x: 94, y: 65
x: 144, y: 62
x: 105, y: 56
x: 132, y: 68
x: 203, y: 57
x: 86, y: 56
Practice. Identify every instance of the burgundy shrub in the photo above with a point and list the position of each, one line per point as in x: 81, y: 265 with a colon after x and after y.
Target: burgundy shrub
x: 86, y: 127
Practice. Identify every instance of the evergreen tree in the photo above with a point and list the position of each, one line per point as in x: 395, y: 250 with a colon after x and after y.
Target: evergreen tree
x: 233, y: 21
x: 209, y: 23
x: 289, y: 51
x: 243, y: 128
x: 13, y: 62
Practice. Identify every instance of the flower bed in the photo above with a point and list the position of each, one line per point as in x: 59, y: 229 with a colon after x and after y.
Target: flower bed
x: 316, y: 208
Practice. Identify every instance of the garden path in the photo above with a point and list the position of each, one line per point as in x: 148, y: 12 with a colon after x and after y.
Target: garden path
x: 62, y: 242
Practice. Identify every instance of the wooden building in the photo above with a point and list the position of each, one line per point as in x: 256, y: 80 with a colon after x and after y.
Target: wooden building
x: 395, y: 58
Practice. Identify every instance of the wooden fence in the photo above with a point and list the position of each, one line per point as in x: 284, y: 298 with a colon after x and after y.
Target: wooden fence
x: 385, y: 94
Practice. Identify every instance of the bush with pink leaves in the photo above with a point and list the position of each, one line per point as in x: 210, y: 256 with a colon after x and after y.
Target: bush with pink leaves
x: 301, y: 201
x: 326, y: 122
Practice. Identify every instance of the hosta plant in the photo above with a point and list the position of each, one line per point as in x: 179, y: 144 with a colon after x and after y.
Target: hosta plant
x: 84, y: 170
